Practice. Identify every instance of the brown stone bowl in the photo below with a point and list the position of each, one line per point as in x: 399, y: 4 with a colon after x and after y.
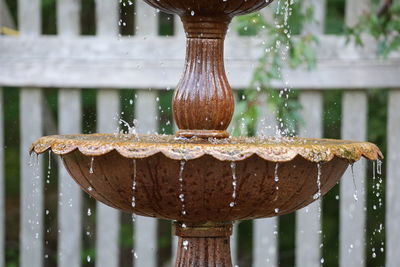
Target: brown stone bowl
x: 209, y: 7
x: 204, y: 184
x: 272, y: 177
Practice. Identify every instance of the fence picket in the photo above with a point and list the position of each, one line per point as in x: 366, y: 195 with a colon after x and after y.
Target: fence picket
x: 146, y: 113
x: 29, y: 13
x: 69, y: 110
x: 69, y: 193
x: 308, y: 219
x: 108, y: 108
x: 354, y: 9
x: 2, y: 192
x: 146, y: 19
x: 265, y: 242
x: 317, y: 26
x: 31, y: 207
x: 108, y: 219
x: 352, y: 212
x: 393, y: 181
x: 146, y: 228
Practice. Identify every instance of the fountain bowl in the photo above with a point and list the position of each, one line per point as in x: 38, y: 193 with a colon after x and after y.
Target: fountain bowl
x: 192, y: 180
x: 209, y: 8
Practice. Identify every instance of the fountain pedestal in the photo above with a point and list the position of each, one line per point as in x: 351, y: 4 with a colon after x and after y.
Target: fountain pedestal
x: 203, y: 244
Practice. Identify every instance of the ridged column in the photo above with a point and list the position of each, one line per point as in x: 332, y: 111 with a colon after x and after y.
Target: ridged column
x: 205, y: 245
x: 203, y: 103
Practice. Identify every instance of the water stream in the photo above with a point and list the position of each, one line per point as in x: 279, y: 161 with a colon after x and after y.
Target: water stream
x: 181, y: 189
x: 234, y: 184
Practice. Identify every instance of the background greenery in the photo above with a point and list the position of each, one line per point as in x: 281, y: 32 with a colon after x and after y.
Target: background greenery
x: 301, y: 52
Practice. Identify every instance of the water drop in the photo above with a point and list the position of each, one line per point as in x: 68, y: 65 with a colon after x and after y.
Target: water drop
x: 134, y: 183
x: 318, y: 194
x: 185, y: 244
x: 181, y: 191
x: 91, y: 165
x: 234, y: 183
x: 355, y: 195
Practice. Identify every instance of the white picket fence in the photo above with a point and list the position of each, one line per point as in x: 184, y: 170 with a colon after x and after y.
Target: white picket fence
x: 108, y: 62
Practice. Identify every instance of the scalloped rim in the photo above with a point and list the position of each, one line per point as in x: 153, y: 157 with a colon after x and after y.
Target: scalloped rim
x: 325, y: 150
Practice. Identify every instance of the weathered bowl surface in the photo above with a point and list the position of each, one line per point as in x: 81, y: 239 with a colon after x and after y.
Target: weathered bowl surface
x: 105, y: 166
x: 209, y: 7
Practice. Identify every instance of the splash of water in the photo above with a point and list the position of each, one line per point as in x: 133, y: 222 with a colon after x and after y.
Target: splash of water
x: 131, y: 128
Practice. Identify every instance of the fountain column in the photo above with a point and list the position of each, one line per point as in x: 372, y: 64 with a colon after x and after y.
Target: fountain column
x: 203, y: 102
x: 203, y: 245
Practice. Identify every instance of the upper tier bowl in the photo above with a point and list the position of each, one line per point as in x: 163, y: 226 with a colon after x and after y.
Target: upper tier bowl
x: 213, y: 8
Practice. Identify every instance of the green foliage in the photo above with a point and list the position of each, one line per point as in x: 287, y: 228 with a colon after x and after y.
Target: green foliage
x: 383, y: 25
x: 279, y: 49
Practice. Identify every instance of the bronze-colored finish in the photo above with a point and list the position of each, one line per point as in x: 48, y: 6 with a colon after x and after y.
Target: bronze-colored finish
x: 203, y: 245
x: 203, y: 102
x: 229, y: 149
x: 206, y: 182
x: 203, y: 171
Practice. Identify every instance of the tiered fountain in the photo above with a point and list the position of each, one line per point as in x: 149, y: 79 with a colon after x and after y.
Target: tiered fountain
x: 201, y: 178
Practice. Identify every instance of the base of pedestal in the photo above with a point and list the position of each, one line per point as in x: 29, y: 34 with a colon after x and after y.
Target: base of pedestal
x: 205, y: 245
x: 202, y: 133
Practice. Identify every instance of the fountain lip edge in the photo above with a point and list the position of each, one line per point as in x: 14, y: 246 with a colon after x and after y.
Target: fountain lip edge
x: 323, y: 151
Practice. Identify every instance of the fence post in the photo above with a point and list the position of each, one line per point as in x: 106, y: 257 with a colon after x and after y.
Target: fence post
x: 69, y: 122
x: 69, y: 193
x: 31, y: 206
x: 108, y: 219
x: 393, y: 181
x: 265, y: 233
x: 146, y: 228
x: 108, y: 108
x: 352, y: 211
x: 2, y: 183
x: 308, y: 219
x: 31, y: 234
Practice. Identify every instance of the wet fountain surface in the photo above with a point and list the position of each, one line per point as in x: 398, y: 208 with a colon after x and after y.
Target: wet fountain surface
x: 199, y: 180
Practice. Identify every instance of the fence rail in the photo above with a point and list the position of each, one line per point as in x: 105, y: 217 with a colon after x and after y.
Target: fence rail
x: 71, y: 62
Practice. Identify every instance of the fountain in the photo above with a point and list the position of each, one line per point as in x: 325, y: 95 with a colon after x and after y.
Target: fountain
x: 202, y: 179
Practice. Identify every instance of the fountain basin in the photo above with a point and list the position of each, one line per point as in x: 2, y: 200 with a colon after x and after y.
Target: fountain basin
x: 192, y: 180
x: 209, y: 7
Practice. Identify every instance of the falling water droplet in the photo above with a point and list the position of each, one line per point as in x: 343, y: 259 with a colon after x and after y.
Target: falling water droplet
x: 185, y: 244
x: 355, y: 195
x: 181, y: 191
x: 88, y: 258
x: 91, y: 165
x: 276, y: 176
x: 318, y: 194
x: 192, y: 13
x: 379, y: 166
x: 134, y: 184
x: 89, y: 212
x: 234, y: 184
